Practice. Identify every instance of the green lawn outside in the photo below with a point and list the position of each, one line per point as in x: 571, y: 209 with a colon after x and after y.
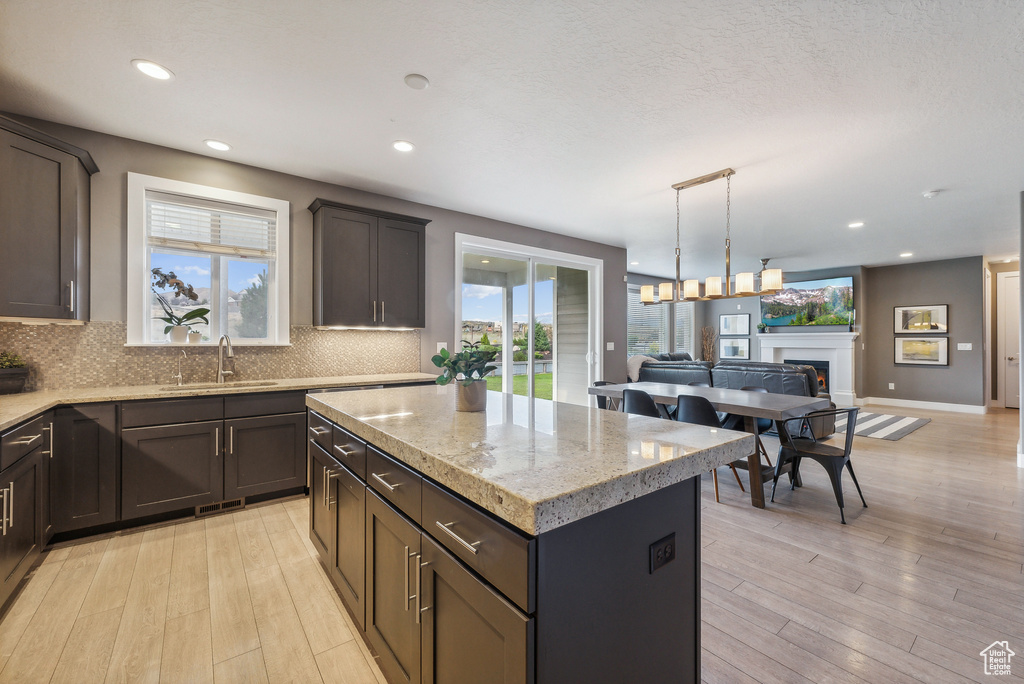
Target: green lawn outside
x: 542, y: 385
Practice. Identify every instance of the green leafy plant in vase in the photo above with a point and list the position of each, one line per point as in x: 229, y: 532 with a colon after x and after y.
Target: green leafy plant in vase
x: 177, y: 326
x: 13, y: 373
x: 468, y: 368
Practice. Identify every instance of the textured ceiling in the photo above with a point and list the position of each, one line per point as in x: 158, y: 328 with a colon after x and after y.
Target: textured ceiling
x: 577, y: 117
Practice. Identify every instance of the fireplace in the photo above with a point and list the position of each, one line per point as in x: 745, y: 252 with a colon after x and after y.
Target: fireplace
x: 820, y: 366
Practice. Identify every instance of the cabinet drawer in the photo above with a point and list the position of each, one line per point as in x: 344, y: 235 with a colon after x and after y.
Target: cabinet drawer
x: 501, y: 555
x: 171, y: 411
x: 320, y: 430
x: 24, y: 439
x: 397, y: 483
x: 264, y: 404
x: 350, y: 450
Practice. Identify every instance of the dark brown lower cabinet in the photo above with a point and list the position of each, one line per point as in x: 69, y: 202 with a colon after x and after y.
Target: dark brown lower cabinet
x: 264, y: 454
x: 348, y: 571
x: 171, y: 467
x: 83, y: 470
x: 20, y: 489
x: 392, y: 576
x: 321, y: 516
x: 469, y: 632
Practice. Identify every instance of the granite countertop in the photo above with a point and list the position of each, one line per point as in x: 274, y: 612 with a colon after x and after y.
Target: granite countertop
x: 536, y: 464
x: 16, y: 408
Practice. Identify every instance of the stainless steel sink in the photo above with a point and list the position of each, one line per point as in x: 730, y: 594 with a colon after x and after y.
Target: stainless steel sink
x: 214, y: 385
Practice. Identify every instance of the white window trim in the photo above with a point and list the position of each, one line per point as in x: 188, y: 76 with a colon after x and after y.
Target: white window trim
x: 139, y: 279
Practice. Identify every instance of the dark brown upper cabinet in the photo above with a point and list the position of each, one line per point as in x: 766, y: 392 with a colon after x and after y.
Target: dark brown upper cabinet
x: 44, y: 225
x: 369, y: 267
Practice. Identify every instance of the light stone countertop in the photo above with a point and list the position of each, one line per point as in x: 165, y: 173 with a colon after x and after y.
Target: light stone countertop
x: 17, y: 408
x: 536, y: 464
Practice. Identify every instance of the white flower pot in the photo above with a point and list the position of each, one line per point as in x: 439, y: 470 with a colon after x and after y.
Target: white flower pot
x: 179, y: 334
x: 195, y: 337
x: 472, y: 397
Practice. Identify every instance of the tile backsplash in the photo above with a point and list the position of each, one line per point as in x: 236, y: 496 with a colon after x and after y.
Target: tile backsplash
x: 94, y: 355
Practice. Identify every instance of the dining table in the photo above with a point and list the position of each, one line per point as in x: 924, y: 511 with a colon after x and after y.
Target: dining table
x: 750, y: 405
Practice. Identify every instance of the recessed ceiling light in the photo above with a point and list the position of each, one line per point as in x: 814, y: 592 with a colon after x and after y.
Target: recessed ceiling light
x: 417, y: 81
x: 904, y: 255
x: 485, y: 261
x: 217, y: 145
x: 634, y: 263
x: 403, y: 145
x: 152, y: 69
x: 856, y: 224
x: 930, y: 194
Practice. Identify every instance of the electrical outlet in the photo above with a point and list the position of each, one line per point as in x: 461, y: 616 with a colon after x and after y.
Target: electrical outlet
x: 610, y: 346
x: 964, y: 346
x: 663, y: 551
x: 892, y: 385
x: 739, y: 307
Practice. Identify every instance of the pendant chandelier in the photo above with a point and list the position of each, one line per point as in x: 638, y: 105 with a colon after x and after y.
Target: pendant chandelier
x: 715, y: 287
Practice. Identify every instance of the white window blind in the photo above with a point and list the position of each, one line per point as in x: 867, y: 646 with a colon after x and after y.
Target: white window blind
x: 684, y: 327
x: 646, y: 326
x: 197, y: 224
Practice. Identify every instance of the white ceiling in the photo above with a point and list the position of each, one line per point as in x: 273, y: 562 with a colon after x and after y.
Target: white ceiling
x: 577, y: 117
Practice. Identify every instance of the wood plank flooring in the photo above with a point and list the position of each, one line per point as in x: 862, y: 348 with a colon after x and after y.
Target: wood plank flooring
x: 909, y: 591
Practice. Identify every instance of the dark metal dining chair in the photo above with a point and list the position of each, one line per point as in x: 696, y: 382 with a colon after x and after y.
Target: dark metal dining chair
x: 833, y: 459
x: 700, y: 411
x: 639, y: 403
x: 602, y: 402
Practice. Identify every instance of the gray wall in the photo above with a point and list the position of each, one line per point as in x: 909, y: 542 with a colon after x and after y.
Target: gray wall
x: 116, y: 156
x: 956, y: 282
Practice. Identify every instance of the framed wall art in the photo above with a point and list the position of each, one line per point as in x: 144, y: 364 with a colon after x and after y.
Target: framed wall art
x: 922, y: 351
x: 733, y: 348
x: 921, y: 319
x: 734, y: 324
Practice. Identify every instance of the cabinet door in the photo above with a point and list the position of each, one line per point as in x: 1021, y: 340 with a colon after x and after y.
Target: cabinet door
x: 264, y: 454
x: 38, y: 215
x: 20, y: 487
x: 469, y: 632
x: 348, y: 496
x: 321, y: 515
x: 83, y: 473
x: 345, y: 291
x: 401, y: 263
x: 392, y: 569
x: 171, y: 467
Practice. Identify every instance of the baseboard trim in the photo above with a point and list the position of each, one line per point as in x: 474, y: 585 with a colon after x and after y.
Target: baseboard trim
x: 929, y: 405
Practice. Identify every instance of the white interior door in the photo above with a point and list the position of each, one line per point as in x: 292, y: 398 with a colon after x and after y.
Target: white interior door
x: 1008, y: 292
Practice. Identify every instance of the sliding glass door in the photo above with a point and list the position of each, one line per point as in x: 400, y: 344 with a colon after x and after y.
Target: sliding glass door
x: 538, y: 310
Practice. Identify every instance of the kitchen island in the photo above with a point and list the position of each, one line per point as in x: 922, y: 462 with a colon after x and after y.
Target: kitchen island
x: 536, y: 541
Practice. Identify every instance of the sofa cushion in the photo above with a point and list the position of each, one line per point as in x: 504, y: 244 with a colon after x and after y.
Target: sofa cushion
x: 676, y: 372
x: 672, y: 356
x: 779, y: 378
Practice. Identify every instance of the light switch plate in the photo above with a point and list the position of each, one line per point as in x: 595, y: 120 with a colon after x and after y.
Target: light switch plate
x: 964, y: 346
x: 892, y: 385
x: 610, y: 346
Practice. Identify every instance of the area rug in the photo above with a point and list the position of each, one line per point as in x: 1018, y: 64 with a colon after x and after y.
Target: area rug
x: 882, y: 426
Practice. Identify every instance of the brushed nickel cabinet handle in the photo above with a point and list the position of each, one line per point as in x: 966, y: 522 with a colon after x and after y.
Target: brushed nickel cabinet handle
x: 374, y: 310
x: 318, y: 431
x: 382, y: 311
x: 49, y: 429
x: 419, y: 587
x: 325, y: 486
x: 330, y: 474
x: 3, y: 492
x: 71, y: 287
x: 25, y: 441
x: 391, y: 487
x: 341, y: 449
x: 469, y: 546
x: 216, y: 440
x: 407, y: 597
x: 10, y: 505
x: 231, y: 440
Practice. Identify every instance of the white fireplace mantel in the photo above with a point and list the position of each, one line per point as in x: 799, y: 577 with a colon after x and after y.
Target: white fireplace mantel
x: 837, y: 348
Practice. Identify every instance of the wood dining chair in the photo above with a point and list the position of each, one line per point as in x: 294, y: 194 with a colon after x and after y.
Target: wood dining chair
x: 700, y: 411
x: 833, y: 459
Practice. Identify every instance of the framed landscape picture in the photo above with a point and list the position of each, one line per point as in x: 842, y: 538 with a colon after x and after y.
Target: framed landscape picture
x: 921, y: 319
x: 922, y: 351
x: 734, y: 324
x: 734, y: 348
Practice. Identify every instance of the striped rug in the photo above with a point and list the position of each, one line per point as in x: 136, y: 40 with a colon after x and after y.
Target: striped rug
x: 882, y: 426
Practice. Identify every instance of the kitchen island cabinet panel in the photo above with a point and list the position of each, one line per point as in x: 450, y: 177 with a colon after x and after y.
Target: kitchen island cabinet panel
x: 469, y: 632
x: 348, y: 571
x: 392, y: 570
x: 21, y: 541
x: 321, y: 517
x: 83, y: 485
x: 171, y: 467
x: 264, y: 454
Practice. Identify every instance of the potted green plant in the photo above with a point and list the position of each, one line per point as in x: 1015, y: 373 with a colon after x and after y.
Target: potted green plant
x: 177, y: 326
x: 468, y: 368
x: 762, y: 327
x: 13, y: 373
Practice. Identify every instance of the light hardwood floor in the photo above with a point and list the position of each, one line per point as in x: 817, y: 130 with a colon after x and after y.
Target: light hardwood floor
x: 909, y: 591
